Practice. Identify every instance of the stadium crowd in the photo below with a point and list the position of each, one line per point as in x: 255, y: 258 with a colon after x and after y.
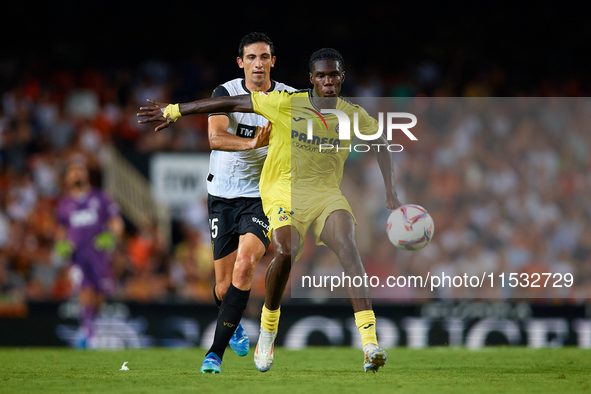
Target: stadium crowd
x: 508, y: 188
x: 506, y: 181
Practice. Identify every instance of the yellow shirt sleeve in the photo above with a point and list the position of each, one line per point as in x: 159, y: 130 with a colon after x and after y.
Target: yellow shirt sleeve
x: 367, y: 124
x: 267, y: 104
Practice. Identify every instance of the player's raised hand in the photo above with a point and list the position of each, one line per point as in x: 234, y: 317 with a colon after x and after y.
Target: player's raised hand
x: 154, y: 113
x: 261, y: 137
x: 392, y: 201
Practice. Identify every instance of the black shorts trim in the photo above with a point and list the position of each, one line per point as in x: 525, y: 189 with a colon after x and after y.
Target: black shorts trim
x: 229, y: 218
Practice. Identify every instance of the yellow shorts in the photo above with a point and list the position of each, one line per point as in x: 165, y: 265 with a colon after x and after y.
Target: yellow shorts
x: 304, y: 216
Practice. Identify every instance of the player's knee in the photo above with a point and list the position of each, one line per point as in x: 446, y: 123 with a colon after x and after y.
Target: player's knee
x: 284, y: 253
x: 243, y: 271
x: 281, y: 262
x: 246, y: 260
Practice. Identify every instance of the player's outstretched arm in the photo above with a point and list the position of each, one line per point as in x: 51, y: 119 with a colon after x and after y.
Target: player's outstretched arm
x: 221, y: 139
x: 386, y: 164
x: 167, y: 113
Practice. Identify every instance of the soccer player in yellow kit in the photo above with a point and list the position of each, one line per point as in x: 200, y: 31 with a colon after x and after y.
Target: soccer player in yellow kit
x: 299, y: 170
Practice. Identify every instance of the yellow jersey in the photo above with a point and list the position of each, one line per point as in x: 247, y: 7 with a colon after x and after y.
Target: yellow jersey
x: 299, y: 169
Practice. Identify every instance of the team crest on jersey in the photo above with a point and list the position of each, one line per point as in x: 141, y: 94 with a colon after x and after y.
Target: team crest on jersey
x: 283, y: 214
x: 283, y: 210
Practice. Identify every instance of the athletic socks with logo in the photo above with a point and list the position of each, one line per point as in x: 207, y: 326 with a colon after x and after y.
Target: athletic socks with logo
x: 366, y: 323
x: 231, y: 309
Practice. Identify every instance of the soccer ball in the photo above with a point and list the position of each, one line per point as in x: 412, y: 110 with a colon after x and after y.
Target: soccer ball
x: 410, y: 227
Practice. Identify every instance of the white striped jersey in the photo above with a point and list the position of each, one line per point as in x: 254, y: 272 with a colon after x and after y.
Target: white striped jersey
x: 236, y: 174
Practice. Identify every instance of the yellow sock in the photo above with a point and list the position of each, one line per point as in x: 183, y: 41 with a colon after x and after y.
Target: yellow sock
x: 366, y: 323
x: 270, y: 319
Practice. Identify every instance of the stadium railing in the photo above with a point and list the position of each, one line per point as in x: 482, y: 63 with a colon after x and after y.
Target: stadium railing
x: 132, y: 192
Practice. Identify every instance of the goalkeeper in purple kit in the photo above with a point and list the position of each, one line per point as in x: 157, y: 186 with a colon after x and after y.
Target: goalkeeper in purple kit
x: 88, y: 227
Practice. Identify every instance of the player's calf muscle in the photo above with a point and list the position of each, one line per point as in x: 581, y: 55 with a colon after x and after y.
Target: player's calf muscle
x: 223, y: 273
x: 352, y: 264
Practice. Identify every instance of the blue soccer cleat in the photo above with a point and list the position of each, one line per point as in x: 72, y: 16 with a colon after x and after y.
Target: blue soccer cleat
x: 82, y: 339
x: 239, y: 341
x: 211, y: 364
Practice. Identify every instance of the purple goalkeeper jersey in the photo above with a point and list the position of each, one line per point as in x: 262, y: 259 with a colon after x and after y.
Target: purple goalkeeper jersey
x: 84, y: 218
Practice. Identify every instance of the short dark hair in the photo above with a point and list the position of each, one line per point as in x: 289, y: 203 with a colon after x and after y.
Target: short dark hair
x: 326, y: 54
x: 253, y: 38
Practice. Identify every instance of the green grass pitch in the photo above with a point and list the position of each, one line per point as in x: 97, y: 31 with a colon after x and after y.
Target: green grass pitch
x: 313, y: 370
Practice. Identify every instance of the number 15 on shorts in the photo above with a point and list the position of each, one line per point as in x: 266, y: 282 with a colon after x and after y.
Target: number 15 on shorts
x: 214, y: 227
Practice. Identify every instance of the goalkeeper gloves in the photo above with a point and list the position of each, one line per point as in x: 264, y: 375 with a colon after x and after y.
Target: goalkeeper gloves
x: 64, y: 248
x: 105, y: 241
